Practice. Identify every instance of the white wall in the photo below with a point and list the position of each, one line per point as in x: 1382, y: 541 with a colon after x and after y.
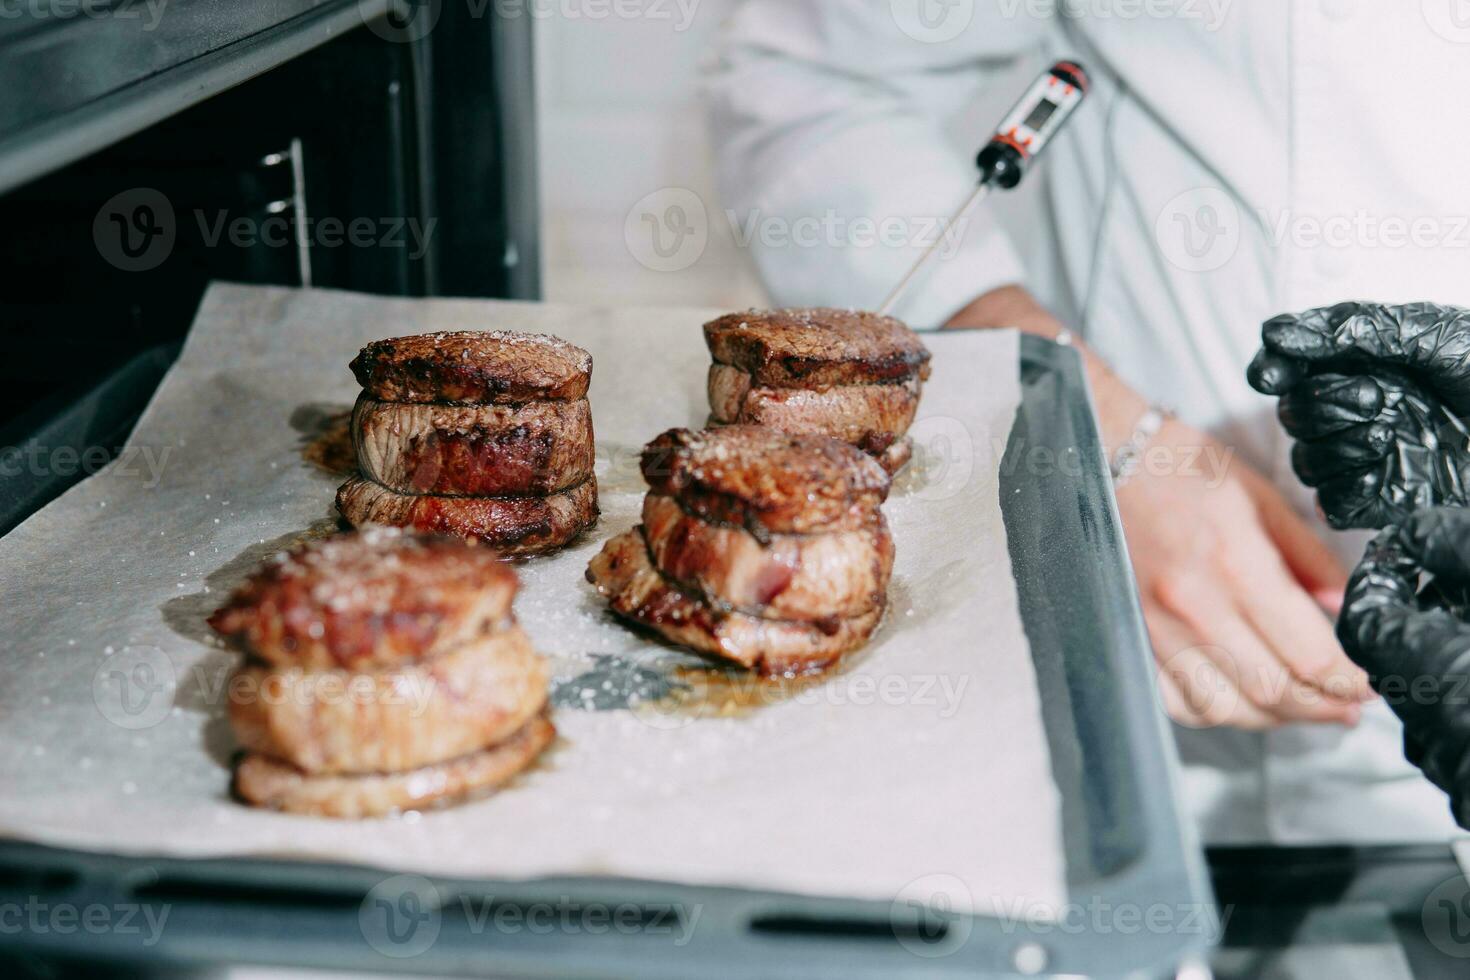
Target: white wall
x: 619, y: 120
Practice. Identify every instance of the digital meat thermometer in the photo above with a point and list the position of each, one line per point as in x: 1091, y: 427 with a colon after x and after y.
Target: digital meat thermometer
x: 1020, y: 138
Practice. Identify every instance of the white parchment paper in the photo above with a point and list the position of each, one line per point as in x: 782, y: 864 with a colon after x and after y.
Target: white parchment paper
x: 925, y: 757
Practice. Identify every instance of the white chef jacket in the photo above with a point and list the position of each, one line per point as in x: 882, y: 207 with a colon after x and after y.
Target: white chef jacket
x: 1234, y: 159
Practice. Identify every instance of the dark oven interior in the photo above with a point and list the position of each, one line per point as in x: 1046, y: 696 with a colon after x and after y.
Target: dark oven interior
x: 322, y: 144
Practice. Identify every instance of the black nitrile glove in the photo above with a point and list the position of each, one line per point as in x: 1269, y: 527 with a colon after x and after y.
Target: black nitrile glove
x: 1375, y: 396
x: 1415, y: 649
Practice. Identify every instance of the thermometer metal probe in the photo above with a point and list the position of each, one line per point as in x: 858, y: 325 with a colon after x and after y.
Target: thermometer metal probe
x: 1022, y: 135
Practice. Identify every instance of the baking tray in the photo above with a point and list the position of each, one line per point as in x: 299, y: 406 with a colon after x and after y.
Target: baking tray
x: 1139, y: 902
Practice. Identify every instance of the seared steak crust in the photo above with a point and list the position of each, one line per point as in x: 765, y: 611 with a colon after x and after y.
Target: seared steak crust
x: 799, y: 577
x: 810, y: 348
x: 336, y: 721
x: 766, y: 481
x: 869, y: 416
x: 514, y: 526
x: 278, y: 785
x: 368, y: 600
x: 624, y: 575
x: 473, y: 366
x: 474, y: 450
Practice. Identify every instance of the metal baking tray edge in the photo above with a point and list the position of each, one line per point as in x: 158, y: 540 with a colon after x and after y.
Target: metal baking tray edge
x: 1139, y: 900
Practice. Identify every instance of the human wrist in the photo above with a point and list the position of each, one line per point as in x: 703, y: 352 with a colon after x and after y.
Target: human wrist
x: 1118, y: 406
x: 1009, y: 306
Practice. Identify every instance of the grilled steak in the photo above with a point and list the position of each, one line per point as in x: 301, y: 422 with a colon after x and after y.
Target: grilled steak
x: 813, y: 348
x: 803, y: 577
x: 472, y: 366
x: 368, y: 600
x: 514, y: 526
x: 766, y: 481
x: 491, y: 450
x: 870, y: 417
x: 268, y: 782
x: 339, y: 721
x: 624, y: 575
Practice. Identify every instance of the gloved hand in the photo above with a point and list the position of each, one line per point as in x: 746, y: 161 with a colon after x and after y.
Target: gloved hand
x: 1414, y: 643
x: 1375, y: 396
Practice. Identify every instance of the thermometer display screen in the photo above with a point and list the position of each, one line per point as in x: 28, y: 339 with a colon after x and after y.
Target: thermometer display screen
x: 1040, y: 114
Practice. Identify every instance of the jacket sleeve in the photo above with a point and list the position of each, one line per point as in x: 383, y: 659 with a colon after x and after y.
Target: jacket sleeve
x: 834, y: 168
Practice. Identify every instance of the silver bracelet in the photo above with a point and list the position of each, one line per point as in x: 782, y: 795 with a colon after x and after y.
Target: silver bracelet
x: 1127, y: 457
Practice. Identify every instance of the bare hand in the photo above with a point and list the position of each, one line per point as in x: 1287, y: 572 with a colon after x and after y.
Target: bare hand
x: 1230, y: 579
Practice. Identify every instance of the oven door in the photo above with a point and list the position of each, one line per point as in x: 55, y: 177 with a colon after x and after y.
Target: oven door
x: 354, y: 144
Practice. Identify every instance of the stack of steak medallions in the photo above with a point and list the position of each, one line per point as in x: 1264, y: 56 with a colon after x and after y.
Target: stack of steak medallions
x: 384, y: 672
x: 851, y: 375
x: 483, y: 435
x: 757, y: 546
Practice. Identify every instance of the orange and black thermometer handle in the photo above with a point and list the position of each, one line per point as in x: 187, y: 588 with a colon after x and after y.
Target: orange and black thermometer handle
x: 1031, y: 124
